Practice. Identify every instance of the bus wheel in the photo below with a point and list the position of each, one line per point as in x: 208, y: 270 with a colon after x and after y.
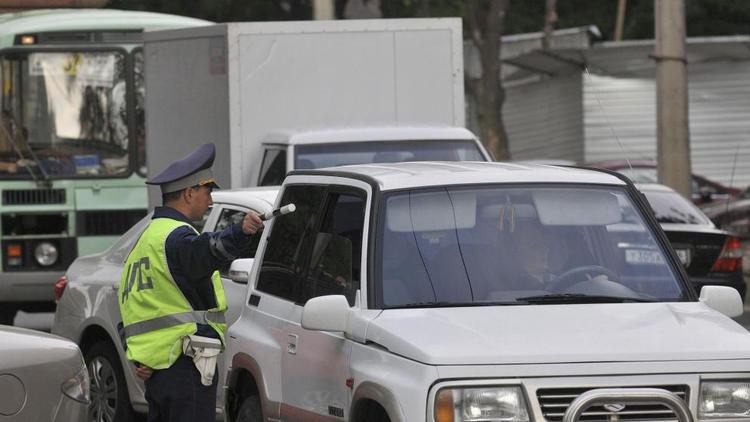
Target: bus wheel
x: 7, y: 314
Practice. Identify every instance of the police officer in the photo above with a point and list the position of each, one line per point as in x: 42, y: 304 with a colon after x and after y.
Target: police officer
x: 171, y: 297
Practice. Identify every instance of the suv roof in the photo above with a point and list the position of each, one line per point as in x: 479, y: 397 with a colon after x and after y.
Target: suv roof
x: 393, y: 176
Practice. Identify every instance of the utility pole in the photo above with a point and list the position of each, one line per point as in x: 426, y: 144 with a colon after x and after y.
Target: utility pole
x: 323, y: 10
x: 620, y: 22
x: 672, y: 130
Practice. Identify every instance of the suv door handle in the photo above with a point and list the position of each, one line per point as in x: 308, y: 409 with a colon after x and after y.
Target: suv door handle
x: 291, y: 345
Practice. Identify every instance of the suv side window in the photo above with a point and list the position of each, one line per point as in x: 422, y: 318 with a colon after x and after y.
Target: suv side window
x: 290, y: 242
x: 335, y: 262
x: 231, y: 216
x: 273, y: 167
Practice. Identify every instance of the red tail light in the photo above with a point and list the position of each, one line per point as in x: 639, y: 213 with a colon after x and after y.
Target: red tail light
x: 60, y: 287
x: 730, y: 258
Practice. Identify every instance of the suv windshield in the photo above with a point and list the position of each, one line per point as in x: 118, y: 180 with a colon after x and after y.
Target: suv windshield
x: 518, y: 245
x: 342, y: 154
x: 63, y: 114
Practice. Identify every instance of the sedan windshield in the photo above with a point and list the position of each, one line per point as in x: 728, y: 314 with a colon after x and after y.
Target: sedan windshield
x: 342, y: 154
x: 518, y: 245
x: 63, y: 114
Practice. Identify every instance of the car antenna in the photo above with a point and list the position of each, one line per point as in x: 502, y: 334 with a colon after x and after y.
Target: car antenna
x: 606, y: 117
x: 731, y: 178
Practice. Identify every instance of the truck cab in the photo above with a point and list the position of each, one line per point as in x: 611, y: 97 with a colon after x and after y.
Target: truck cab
x: 283, y: 151
x: 471, y: 291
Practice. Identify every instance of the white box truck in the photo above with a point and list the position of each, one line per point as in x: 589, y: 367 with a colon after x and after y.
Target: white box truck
x: 276, y: 96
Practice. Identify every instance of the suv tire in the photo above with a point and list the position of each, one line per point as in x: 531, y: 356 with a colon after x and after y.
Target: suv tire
x: 250, y: 410
x: 110, y: 401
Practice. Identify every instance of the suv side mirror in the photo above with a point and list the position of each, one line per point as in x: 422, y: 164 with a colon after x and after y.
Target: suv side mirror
x: 326, y: 313
x: 239, y: 270
x: 723, y: 299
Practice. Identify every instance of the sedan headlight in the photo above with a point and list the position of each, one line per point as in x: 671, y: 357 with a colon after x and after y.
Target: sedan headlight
x: 77, y: 387
x: 724, y: 399
x: 488, y: 404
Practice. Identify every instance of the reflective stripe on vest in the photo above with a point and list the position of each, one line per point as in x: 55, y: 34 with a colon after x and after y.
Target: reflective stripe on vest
x: 200, y: 317
x: 156, y: 315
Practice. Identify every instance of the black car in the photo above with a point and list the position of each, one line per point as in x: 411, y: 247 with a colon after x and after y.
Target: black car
x: 710, y: 255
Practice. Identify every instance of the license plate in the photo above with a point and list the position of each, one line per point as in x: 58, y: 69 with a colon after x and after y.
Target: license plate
x: 640, y: 256
x: 684, y: 255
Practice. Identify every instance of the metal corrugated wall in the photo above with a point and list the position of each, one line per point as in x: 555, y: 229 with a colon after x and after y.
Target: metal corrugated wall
x: 544, y: 119
x: 625, y: 109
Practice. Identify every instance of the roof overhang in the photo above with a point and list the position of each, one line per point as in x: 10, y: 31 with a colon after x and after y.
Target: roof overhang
x: 627, y: 58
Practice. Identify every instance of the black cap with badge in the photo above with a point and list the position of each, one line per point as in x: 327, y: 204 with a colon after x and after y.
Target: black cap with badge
x: 193, y: 170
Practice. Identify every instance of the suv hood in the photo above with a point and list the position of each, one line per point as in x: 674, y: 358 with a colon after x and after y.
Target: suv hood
x: 536, y: 334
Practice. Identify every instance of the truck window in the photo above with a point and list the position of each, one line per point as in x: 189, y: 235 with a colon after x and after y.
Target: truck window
x: 346, y: 153
x: 336, y: 258
x: 290, y: 242
x: 273, y: 168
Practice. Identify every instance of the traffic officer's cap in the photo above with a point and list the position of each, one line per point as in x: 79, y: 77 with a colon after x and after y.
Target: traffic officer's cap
x: 193, y: 170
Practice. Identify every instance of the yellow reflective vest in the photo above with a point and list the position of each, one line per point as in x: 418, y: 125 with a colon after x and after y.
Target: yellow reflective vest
x: 155, y: 314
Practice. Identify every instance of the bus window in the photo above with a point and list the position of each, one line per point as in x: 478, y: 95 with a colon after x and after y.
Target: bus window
x: 67, y: 114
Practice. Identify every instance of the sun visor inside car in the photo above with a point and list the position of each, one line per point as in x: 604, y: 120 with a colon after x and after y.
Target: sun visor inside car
x: 576, y: 207
x: 432, y: 211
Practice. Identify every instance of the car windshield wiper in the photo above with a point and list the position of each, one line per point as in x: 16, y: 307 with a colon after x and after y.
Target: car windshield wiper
x: 581, y: 298
x: 445, y: 304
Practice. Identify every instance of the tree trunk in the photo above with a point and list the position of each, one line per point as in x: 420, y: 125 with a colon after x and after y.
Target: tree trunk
x: 362, y: 9
x: 550, y: 20
x: 486, y: 29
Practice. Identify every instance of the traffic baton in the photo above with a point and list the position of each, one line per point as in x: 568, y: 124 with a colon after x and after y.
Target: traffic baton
x: 286, y: 209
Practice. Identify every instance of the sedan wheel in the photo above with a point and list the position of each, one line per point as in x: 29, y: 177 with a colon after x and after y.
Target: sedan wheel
x: 109, y: 396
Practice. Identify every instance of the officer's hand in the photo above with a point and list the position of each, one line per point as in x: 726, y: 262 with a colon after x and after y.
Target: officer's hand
x: 252, y: 223
x: 143, y: 372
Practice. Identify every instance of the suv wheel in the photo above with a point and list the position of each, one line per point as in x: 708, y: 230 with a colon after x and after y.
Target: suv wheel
x: 109, y: 392
x: 250, y: 410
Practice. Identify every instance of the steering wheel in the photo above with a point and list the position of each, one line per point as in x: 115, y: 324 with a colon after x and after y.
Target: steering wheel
x: 569, y: 278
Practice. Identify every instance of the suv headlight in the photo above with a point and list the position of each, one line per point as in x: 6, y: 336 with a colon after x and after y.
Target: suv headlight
x: 724, y: 399
x: 488, y: 404
x: 77, y: 387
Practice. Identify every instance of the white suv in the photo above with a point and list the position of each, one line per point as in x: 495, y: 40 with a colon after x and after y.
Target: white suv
x: 478, y: 292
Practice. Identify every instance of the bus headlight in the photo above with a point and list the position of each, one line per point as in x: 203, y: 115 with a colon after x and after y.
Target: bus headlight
x: 724, y: 399
x: 45, y: 254
x: 489, y: 404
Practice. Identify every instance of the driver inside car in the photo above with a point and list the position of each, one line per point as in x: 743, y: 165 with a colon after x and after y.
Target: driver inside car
x: 532, y: 250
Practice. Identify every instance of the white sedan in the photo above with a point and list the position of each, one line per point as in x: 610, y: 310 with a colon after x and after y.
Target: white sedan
x: 87, y: 310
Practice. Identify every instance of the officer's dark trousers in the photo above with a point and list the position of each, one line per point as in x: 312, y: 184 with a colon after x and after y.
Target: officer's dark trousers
x: 177, y: 395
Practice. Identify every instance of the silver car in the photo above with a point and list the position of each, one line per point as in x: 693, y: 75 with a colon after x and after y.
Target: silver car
x: 42, y: 377
x: 87, y: 311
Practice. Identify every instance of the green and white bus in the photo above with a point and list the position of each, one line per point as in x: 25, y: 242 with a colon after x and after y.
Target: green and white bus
x: 72, y: 141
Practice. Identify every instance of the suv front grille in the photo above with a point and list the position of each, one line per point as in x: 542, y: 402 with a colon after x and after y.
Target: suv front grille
x: 555, y: 401
x: 33, y: 196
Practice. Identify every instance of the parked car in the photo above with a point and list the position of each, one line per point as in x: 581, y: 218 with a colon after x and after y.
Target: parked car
x: 705, y: 191
x: 87, y: 310
x: 732, y: 216
x: 711, y: 256
x: 42, y: 377
x: 477, y: 292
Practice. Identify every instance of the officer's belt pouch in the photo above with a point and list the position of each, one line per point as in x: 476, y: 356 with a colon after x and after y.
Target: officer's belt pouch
x: 204, y: 351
